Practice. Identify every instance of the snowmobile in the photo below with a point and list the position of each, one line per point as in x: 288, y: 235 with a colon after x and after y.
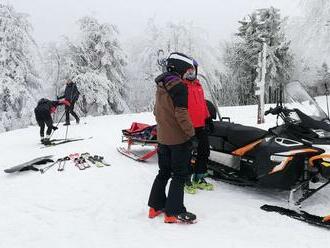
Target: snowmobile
x: 294, y: 155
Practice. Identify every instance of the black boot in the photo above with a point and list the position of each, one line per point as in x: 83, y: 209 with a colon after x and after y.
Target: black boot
x: 46, y: 141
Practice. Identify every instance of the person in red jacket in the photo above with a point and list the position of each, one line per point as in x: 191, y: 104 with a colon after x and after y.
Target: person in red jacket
x: 199, y: 114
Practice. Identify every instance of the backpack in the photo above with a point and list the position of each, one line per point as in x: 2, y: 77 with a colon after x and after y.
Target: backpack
x: 42, y: 101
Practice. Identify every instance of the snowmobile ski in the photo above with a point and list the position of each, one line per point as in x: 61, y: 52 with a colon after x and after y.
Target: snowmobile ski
x: 301, y: 215
x: 30, y: 164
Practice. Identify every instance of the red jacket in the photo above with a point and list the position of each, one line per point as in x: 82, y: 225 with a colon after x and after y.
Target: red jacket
x: 197, y: 107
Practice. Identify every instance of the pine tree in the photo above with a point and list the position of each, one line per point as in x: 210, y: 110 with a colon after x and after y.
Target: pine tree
x: 19, y: 80
x: 241, y: 57
x: 310, y: 35
x: 96, y: 62
x: 323, y: 79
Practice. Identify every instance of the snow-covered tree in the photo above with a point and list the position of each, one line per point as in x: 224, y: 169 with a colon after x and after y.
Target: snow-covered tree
x: 19, y: 80
x: 173, y: 37
x: 96, y: 62
x: 241, y: 56
x: 310, y: 35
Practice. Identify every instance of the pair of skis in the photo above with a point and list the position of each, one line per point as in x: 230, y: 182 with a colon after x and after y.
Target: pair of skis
x: 83, y: 161
x: 56, y: 142
x: 96, y: 160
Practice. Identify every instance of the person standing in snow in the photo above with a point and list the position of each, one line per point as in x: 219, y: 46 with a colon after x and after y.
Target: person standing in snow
x: 71, y: 94
x: 43, y: 116
x: 175, y: 134
x: 200, y: 116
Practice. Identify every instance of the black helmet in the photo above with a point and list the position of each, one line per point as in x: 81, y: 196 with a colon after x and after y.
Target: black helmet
x: 179, y: 63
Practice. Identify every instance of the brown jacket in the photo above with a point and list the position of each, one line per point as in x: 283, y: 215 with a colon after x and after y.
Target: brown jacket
x: 173, y: 122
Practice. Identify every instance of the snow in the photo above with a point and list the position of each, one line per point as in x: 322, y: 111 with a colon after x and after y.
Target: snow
x: 107, y: 207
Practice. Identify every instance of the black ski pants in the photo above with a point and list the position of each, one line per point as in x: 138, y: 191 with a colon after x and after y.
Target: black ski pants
x: 70, y: 110
x: 173, y: 163
x: 44, y: 118
x: 203, y: 151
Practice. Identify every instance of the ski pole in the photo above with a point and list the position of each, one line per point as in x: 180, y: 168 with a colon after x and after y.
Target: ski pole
x: 60, y: 119
x: 57, y: 125
x: 326, y: 97
x: 66, y: 132
x: 43, y: 170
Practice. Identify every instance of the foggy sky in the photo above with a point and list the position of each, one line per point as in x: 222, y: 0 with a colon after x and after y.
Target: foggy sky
x: 53, y: 18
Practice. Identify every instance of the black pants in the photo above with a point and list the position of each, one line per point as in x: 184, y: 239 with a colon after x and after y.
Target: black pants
x: 173, y: 162
x: 70, y: 110
x: 43, y: 118
x: 203, y: 152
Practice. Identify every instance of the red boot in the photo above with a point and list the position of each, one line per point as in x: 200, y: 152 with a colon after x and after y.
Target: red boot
x: 187, y: 218
x: 154, y: 213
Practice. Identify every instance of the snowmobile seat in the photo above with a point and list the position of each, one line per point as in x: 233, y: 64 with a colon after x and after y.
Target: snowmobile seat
x: 236, y: 134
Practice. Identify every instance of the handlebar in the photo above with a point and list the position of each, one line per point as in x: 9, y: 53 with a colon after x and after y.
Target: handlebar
x: 277, y: 110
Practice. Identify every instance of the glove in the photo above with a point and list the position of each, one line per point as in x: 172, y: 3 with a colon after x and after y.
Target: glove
x: 55, y: 128
x: 193, y: 143
x: 209, y: 126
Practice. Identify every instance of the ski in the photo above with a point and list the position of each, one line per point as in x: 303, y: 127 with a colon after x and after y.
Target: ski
x: 95, y: 160
x: 64, y: 142
x: 60, y: 162
x: 301, y: 215
x: 81, y: 163
x: 29, y: 165
x: 134, y: 156
x: 61, y: 165
x: 99, y: 160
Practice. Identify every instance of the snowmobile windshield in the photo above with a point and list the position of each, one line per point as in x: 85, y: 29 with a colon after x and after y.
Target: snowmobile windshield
x: 296, y: 97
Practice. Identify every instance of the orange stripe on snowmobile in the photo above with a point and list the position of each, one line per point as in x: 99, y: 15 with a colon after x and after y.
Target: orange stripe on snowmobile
x: 281, y: 166
x: 321, y: 156
x: 294, y: 152
x: 241, y: 151
x: 306, y: 150
x: 285, y: 162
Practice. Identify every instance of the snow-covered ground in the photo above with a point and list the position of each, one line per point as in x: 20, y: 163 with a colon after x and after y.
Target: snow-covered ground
x: 107, y: 207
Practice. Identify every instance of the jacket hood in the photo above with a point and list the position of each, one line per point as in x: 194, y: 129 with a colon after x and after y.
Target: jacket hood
x: 167, y: 77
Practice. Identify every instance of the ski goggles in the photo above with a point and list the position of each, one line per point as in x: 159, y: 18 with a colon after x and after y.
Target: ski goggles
x: 190, y: 74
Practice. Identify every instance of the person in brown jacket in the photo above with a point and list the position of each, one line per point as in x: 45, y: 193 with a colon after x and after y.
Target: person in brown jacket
x: 175, y: 134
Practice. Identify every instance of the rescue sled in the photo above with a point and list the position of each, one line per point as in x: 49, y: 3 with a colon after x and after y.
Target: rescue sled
x: 139, y: 134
